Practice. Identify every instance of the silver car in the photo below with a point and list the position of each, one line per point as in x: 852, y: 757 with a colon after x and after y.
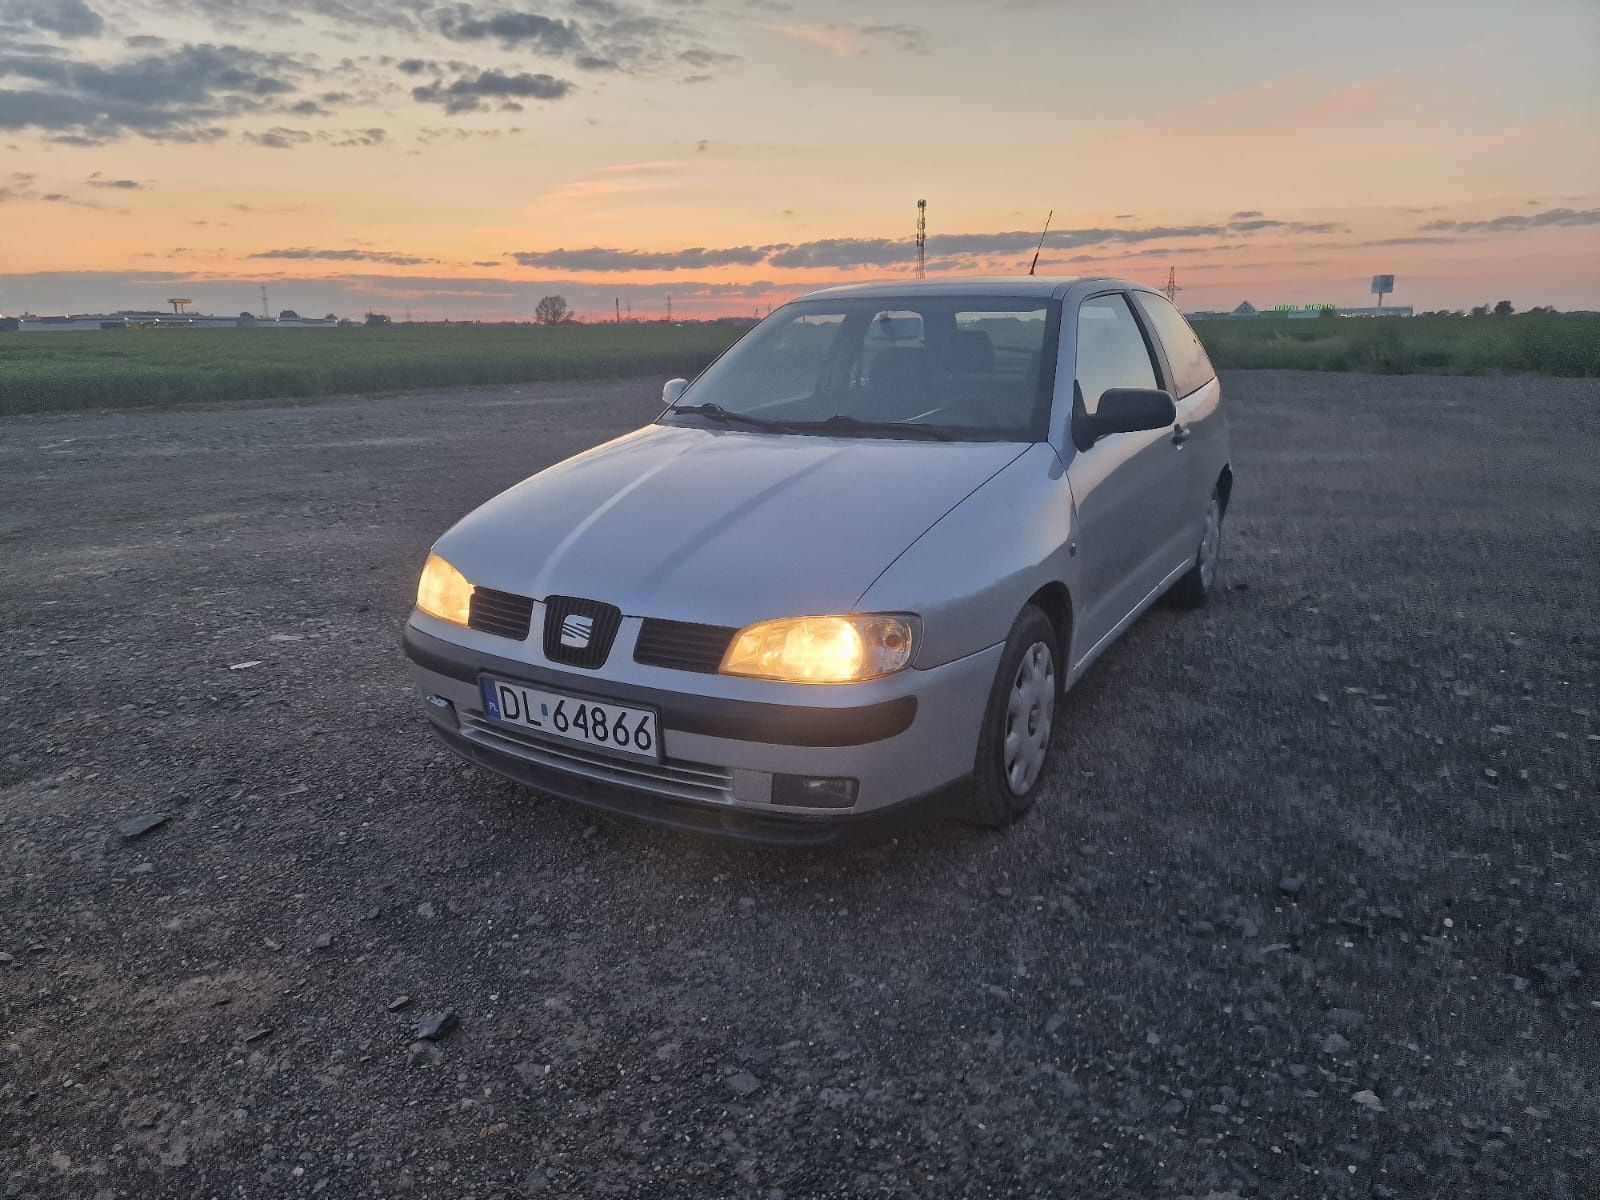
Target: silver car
x: 848, y: 572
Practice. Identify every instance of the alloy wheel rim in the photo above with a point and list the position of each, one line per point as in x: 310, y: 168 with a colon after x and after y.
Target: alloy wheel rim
x: 1211, y: 543
x: 1030, y: 714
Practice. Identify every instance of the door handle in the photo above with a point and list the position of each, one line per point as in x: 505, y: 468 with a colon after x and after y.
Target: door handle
x: 1180, y: 434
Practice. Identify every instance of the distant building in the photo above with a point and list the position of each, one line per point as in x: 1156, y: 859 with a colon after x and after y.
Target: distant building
x: 1299, y: 312
x: 129, y: 319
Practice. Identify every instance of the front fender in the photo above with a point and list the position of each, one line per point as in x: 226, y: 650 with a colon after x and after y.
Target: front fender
x: 970, y: 574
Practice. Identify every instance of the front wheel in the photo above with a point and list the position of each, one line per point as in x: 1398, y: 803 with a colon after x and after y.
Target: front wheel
x: 1197, y: 584
x: 1014, y: 744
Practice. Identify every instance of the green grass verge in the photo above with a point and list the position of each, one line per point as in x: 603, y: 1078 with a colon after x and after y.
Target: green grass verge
x: 51, y: 372
x: 1532, y: 343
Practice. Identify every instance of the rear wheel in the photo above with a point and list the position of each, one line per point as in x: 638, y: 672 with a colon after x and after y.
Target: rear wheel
x: 1014, y: 744
x: 1196, y: 586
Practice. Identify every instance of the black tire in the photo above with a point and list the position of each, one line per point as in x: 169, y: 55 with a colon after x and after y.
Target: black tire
x: 1196, y: 586
x: 997, y: 801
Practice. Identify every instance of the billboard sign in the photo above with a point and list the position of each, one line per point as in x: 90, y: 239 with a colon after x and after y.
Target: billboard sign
x: 1382, y: 285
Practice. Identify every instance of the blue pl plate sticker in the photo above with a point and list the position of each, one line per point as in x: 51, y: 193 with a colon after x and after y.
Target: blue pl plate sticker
x: 491, y: 704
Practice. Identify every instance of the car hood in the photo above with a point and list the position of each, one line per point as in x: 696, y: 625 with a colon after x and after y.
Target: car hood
x: 721, y: 527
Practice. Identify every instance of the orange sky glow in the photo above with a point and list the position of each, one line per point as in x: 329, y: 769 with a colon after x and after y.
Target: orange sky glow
x: 462, y: 159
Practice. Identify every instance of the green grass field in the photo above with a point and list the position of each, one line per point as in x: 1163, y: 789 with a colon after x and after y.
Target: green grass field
x: 1534, y: 344
x: 46, y: 372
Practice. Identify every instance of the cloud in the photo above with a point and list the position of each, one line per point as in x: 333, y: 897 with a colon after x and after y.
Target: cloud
x: 20, y: 188
x: 596, y: 258
x: 907, y: 37
x: 174, y: 96
x: 1518, y: 222
x: 355, y: 137
x: 279, y: 138
x: 1410, y: 241
x: 847, y: 41
x: 1246, y: 215
x: 64, y: 18
x: 599, y: 35
x: 1260, y: 223
x: 306, y: 254
x: 948, y: 251
x: 126, y: 185
x: 513, y: 30
x: 467, y: 93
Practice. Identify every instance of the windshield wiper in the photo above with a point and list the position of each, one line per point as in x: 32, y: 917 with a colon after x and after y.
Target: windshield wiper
x: 844, y: 421
x: 717, y: 413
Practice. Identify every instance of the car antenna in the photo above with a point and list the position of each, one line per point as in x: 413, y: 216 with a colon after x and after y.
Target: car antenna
x: 1040, y: 246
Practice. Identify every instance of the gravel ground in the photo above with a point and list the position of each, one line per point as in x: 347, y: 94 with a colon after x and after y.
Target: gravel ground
x: 1308, y: 908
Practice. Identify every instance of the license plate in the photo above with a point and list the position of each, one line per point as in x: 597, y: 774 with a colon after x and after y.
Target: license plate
x: 604, y: 726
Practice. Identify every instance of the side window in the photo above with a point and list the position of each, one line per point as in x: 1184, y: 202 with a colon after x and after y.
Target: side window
x: 1191, y: 368
x: 1111, y: 349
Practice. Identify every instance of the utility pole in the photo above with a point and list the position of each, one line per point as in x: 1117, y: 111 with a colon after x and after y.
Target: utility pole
x: 669, y: 310
x: 922, y: 239
x: 617, y: 300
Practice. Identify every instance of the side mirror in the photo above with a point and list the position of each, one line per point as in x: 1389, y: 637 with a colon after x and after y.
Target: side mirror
x: 672, y: 391
x: 1124, y: 410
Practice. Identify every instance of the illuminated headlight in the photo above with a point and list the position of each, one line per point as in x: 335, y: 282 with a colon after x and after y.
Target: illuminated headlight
x: 444, y: 592
x: 822, y: 649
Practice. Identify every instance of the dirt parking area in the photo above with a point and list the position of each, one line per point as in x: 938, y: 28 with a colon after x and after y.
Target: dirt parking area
x: 1309, y: 908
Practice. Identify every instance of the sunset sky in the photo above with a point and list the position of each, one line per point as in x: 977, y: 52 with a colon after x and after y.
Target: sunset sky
x: 464, y: 159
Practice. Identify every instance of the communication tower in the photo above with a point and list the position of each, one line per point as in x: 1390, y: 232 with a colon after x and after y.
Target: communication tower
x: 922, y: 239
x: 1172, y: 289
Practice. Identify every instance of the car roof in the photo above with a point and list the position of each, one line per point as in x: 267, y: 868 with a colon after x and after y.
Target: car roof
x: 1044, y: 286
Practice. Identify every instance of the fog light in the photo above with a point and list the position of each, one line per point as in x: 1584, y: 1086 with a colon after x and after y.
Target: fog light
x: 807, y: 791
x: 443, y: 712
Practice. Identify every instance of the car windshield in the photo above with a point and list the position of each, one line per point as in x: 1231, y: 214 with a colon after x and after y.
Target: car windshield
x: 973, y: 368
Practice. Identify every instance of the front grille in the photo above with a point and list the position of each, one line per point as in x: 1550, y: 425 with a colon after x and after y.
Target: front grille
x: 502, y: 613
x: 588, y: 621
x: 679, y: 780
x: 682, y: 645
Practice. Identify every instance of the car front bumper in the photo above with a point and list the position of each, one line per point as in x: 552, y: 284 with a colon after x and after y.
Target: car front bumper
x: 907, y: 739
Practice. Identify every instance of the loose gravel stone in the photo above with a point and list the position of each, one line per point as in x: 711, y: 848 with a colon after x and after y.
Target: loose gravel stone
x: 743, y: 1083
x: 136, y: 827
x: 435, y: 1027
x: 1346, y: 1019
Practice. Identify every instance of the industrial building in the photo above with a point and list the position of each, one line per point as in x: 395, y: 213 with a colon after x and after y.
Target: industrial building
x: 77, y: 322
x: 1300, y: 312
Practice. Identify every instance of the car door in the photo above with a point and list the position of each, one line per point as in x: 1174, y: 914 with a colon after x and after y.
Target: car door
x: 1201, y: 429
x: 1128, y: 487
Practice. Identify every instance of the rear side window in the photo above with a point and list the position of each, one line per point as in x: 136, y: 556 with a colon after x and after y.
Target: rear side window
x: 1111, y: 349
x: 1191, y: 368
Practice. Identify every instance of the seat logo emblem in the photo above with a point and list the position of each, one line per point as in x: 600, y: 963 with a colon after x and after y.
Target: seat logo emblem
x: 576, y: 630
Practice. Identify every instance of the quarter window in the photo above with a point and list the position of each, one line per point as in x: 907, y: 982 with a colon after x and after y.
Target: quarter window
x: 1111, y: 350
x: 1191, y: 368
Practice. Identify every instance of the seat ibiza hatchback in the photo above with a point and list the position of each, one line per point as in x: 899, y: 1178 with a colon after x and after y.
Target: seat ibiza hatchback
x: 851, y: 567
